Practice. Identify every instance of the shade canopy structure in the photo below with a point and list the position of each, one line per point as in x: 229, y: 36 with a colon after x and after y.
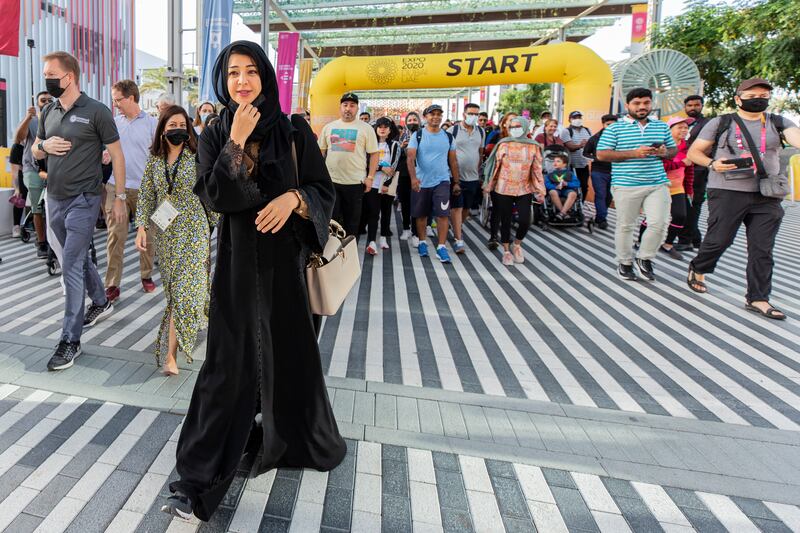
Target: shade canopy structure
x: 333, y: 28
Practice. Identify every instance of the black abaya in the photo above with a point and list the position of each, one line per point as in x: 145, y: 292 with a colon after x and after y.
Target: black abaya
x: 262, y: 348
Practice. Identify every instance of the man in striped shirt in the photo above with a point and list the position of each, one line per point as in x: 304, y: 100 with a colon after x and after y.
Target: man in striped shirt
x: 635, y: 147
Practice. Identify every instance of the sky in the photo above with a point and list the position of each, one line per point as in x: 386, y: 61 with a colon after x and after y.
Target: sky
x: 151, y: 30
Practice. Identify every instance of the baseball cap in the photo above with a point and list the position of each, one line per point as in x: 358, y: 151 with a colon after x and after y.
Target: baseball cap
x: 575, y: 114
x: 432, y: 108
x: 753, y: 82
x: 349, y: 97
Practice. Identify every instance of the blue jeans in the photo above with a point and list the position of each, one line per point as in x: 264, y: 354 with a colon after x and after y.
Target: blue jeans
x: 601, y: 181
x: 72, y: 222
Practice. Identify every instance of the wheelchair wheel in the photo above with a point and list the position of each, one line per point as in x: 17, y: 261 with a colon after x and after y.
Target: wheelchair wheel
x: 53, y: 268
x: 485, y: 211
x: 24, y: 235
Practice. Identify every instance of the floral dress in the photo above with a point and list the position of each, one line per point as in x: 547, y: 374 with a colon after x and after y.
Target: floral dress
x: 183, y: 249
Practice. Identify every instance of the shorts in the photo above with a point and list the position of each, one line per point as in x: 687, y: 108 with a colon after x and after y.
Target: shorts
x: 469, y: 190
x: 563, y: 193
x: 431, y: 201
x: 35, y: 186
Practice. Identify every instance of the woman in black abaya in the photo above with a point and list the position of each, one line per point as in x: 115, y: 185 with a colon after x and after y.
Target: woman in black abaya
x: 262, y: 352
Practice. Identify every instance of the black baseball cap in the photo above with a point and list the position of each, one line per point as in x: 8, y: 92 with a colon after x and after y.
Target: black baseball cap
x: 349, y: 97
x: 575, y: 114
x: 432, y: 108
x: 753, y: 82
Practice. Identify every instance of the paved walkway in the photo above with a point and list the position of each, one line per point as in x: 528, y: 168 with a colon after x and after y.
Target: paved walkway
x: 515, y: 402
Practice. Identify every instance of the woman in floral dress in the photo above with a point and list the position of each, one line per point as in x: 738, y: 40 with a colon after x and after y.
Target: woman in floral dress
x: 183, y: 247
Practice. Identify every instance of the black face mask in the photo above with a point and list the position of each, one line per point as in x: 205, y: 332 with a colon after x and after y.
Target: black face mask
x: 754, y: 105
x: 53, y: 86
x: 412, y: 127
x: 176, y: 137
x: 694, y: 113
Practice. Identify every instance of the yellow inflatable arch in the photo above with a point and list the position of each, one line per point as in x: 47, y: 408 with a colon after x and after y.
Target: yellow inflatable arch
x: 585, y: 76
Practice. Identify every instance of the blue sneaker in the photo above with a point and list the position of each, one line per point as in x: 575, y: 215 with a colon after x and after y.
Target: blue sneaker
x: 423, y: 249
x: 441, y: 251
x: 459, y: 247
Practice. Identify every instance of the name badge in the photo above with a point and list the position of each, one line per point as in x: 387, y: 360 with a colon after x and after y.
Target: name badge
x: 164, y: 215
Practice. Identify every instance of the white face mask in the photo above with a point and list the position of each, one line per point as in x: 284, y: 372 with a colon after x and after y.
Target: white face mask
x: 516, y: 132
x: 576, y: 122
x: 471, y: 120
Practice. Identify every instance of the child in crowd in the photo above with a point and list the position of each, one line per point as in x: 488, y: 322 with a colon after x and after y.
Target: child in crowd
x: 562, y: 186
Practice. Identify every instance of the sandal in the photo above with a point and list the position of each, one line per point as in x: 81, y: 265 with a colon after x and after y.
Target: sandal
x: 695, y: 284
x: 769, y: 312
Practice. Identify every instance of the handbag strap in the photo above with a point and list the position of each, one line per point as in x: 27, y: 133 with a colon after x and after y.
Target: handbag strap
x: 294, y: 160
x: 754, y: 150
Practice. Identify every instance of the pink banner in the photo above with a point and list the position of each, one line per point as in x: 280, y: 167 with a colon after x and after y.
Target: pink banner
x: 287, y: 57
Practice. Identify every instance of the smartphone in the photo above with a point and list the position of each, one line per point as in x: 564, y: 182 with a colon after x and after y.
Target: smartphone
x: 740, y: 162
x: 657, y: 145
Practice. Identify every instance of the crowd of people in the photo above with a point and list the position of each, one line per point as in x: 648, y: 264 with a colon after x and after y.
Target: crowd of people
x: 268, y: 186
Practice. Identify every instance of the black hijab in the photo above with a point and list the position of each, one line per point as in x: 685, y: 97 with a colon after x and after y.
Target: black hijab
x: 274, y: 129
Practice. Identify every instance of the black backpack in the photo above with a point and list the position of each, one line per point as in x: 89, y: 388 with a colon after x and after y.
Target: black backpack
x: 455, y: 133
x: 449, y: 138
x: 726, y: 120
x: 570, y: 130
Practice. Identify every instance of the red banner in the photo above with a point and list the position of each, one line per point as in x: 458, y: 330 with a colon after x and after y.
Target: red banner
x: 9, y: 21
x: 287, y: 58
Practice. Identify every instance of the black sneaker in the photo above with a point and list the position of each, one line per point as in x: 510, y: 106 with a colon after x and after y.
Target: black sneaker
x: 42, y: 250
x: 66, y: 353
x: 683, y: 247
x: 603, y: 224
x: 96, y: 313
x: 493, y: 244
x: 646, y: 269
x: 672, y: 252
x: 180, y: 505
x: 626, y: 272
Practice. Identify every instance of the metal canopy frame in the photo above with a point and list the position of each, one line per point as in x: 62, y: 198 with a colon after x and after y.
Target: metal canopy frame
x: 330, y: 28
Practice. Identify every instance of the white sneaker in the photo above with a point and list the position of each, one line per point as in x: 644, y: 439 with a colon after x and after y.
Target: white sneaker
x: 405, y: 235
x: 415, y: 241
x: 16, y: 232
x: 372, y: 248
x: 430, y: 232
x: 384, y: 244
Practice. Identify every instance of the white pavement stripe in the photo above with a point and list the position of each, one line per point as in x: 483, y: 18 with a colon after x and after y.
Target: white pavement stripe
x: 424, y: 495
x: 487, y: 376
x: 527, y: 379
x: 253, y: 501
x: 661, y: 505
x: 373, y: 365
x: 789, y: 514
x: 6, y: 389
x: 728, y: 513
x: 84, y: 490
x: 344, y: 335
x: 595, y: 494
x: 448, y: 374
x: 405, y: 329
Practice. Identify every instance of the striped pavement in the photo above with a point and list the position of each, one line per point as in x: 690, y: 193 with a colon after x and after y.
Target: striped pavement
x: 68, y: 463
x: 560, y: 327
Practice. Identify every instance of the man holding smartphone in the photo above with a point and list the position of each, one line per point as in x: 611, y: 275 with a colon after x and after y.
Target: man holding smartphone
x: 734, y: 196
x: 635, y: 147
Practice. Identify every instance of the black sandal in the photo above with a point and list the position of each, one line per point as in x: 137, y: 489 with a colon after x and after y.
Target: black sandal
x: 695, y: 284
x: 769, y: 312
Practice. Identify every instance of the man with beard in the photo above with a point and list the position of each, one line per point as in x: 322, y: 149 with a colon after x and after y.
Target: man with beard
x: 690, y: 237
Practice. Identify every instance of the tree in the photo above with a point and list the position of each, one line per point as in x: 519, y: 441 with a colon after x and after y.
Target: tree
x: 155, y: 79
x: 535, y: 98
x: 733, y: 42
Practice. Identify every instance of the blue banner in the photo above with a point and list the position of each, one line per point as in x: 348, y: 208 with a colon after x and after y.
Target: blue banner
x: 217, y: 15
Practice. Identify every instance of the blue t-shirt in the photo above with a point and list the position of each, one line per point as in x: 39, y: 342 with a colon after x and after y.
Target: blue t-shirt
x: 433, y: 167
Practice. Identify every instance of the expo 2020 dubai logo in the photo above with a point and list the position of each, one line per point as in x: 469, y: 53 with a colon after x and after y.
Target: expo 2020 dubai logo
x: 381, y: 71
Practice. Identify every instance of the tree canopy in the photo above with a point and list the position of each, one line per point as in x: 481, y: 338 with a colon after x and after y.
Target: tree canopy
x: 737, y: 40
x: 535, y: 98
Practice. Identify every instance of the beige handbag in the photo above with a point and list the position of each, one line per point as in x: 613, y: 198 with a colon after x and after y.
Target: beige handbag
x: 331, y: 274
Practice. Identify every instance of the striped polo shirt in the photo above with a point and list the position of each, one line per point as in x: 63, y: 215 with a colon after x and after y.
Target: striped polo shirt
x: 629, y: 134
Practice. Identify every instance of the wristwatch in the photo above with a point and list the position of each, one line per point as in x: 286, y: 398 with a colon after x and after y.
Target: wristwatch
x: 121, y: 196
x: 40, y: 146
x: 711, y: 164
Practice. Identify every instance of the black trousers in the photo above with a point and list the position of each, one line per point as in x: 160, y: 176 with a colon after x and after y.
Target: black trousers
x: 727, y: 210
x: 347, y: 209
x: 583, y: 177
x: 378, y: 205
x: 691, y: 232
x: 404, y: 195
x: 503, y: 205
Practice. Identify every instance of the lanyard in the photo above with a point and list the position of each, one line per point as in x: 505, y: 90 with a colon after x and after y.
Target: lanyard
x: 175, y: 165
x: 763, y: 148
